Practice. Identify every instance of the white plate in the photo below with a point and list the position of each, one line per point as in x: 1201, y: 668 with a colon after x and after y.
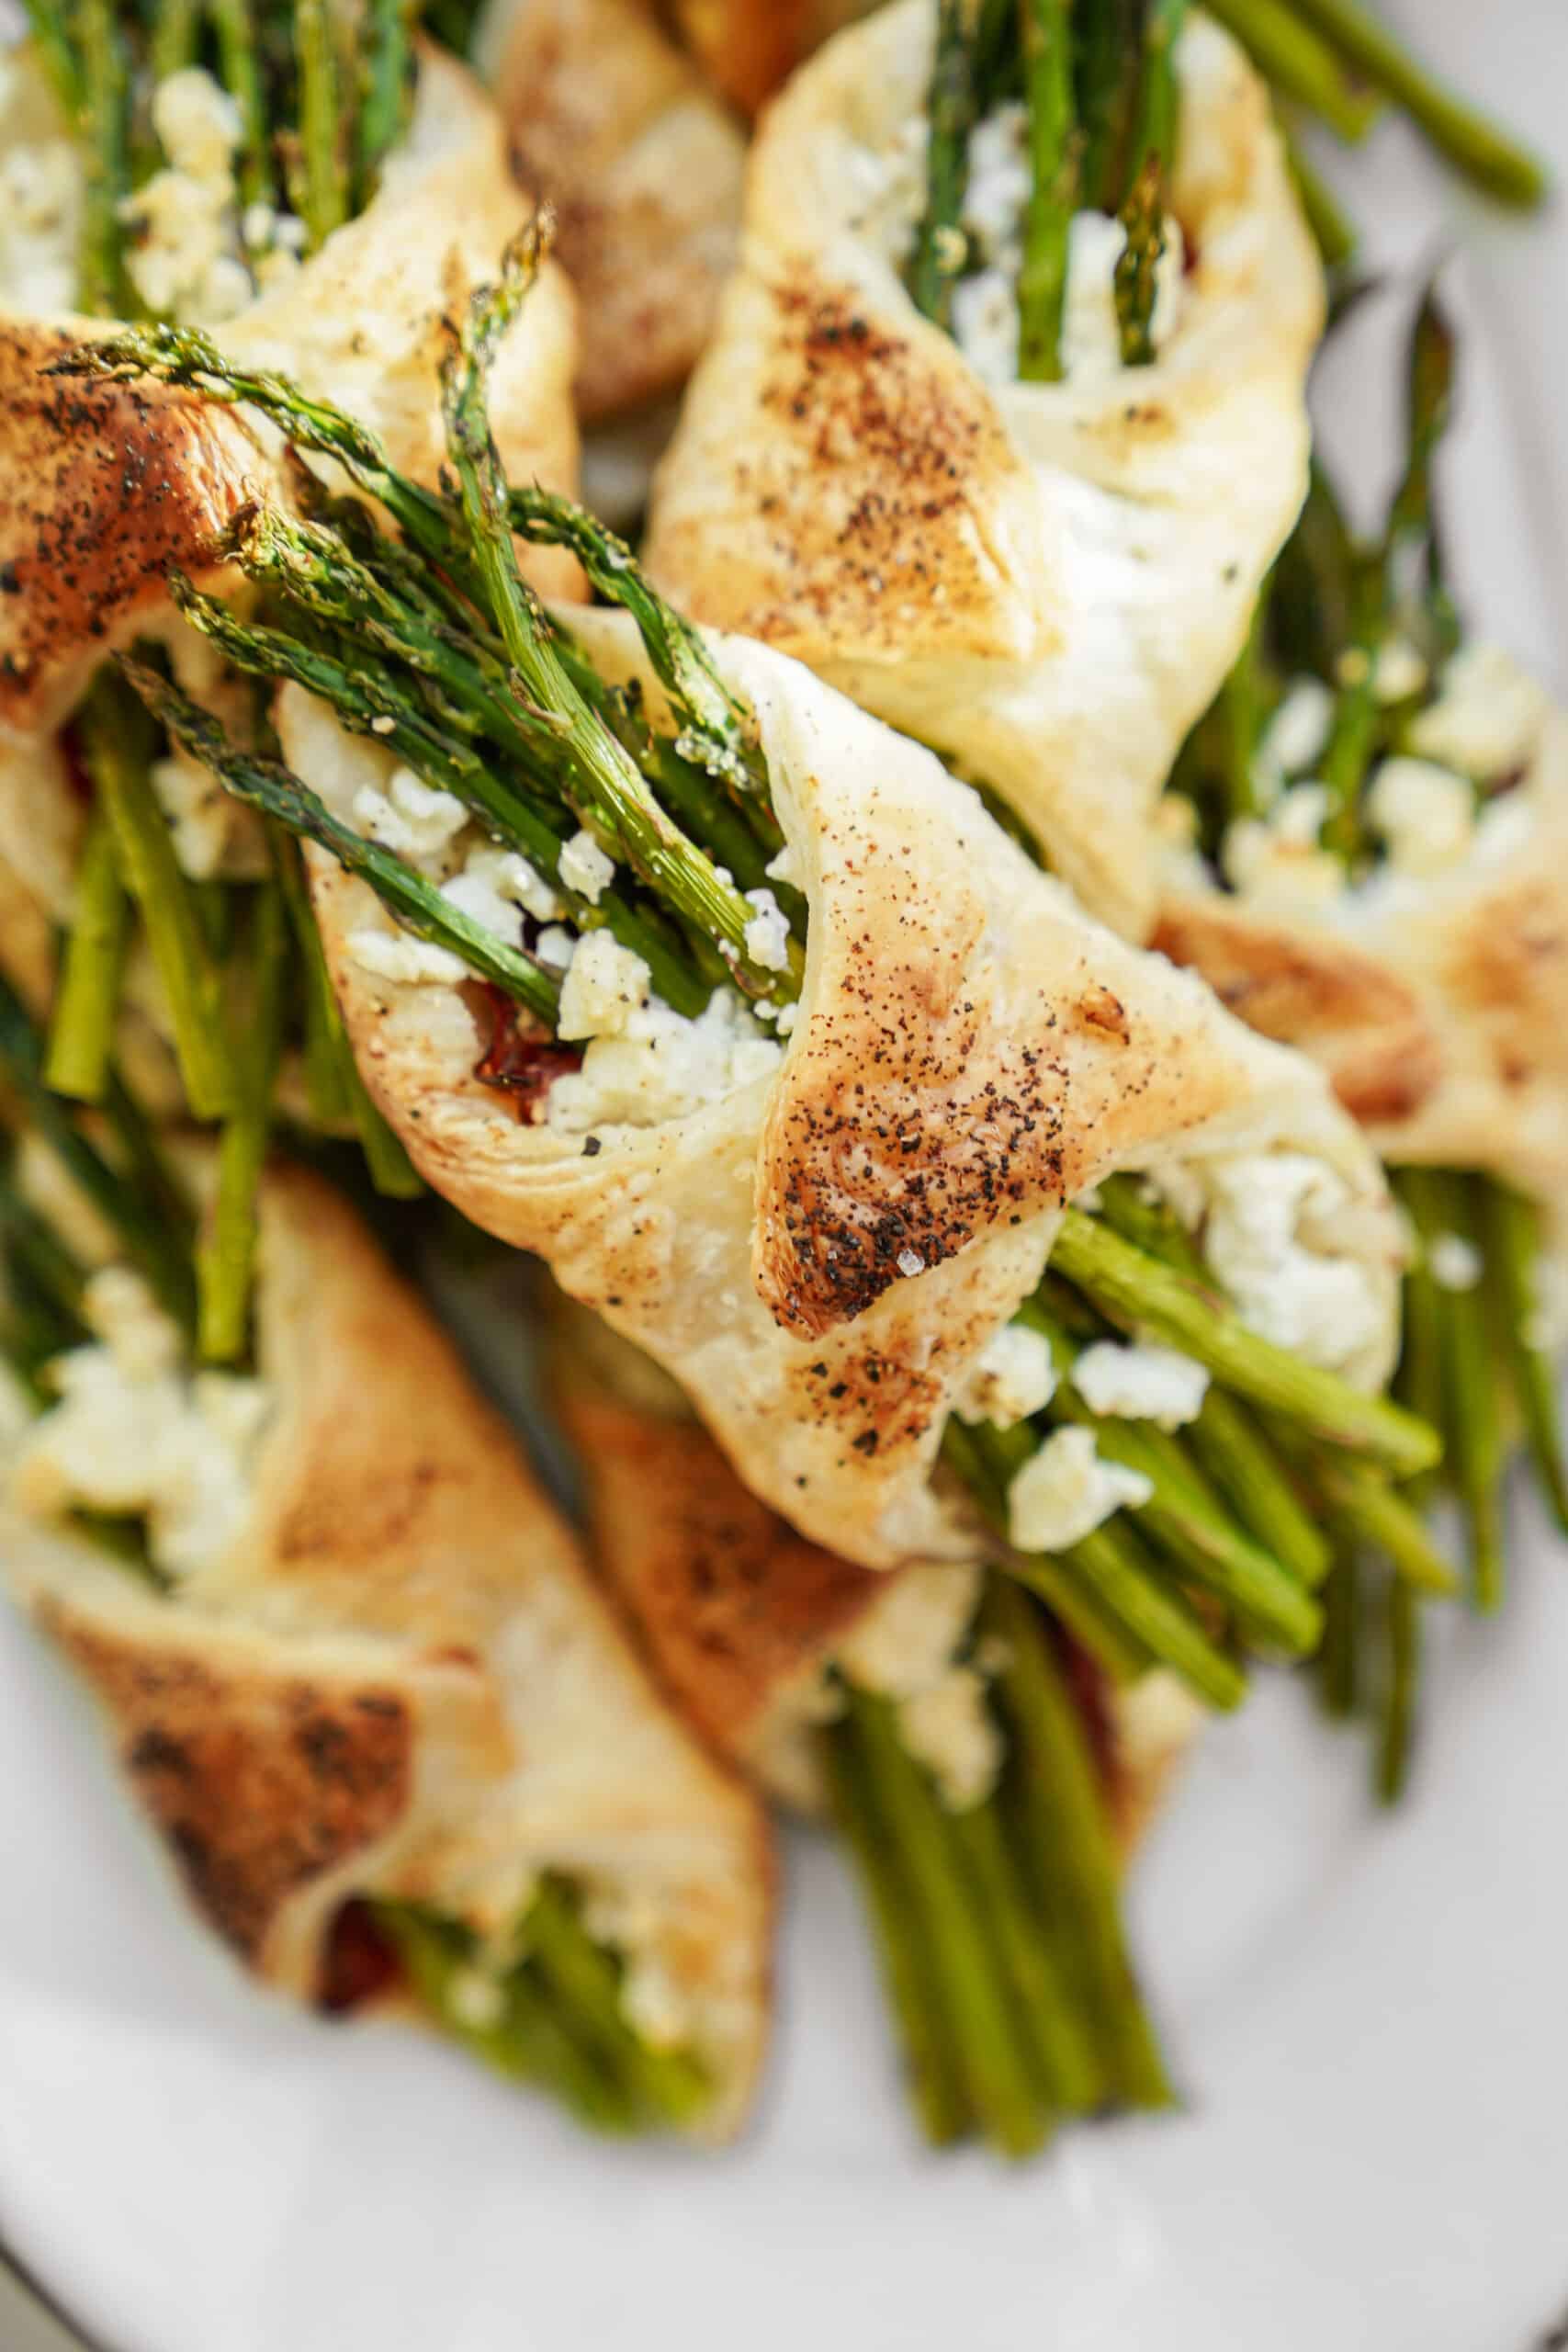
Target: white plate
x: 1369, y: 2016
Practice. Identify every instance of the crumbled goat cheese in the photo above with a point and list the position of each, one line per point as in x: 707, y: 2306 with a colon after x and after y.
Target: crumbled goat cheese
x: 787, y: 1015
x: 1488, y: 717
x: 1456, y: 1263
x: 410, y: 817
x: 1425, y: 813
x: 661, y: 1066
x: 555, y: 945
x: 199, y: 126
x: 1546, y: 1324
x: 1295, y: 737
x: 1401, y: 672
x: 1066, y: 1491
x: 1141, y: 1383
x: 1274, y: 1221
x: 476, y: 1998
x: 949, y: 1726
x: 606, y: 984
x: 496, y: 887
x: 41, y: 189
x: 913, y: 1630
x: 1278, y: 857
x: 134, y: 1433
x: 398, y: 955
x: 213, y: 833
x: 784, y: 867
x: 585, y: 868
x: 1012, y: 1377
x: 767, y: 935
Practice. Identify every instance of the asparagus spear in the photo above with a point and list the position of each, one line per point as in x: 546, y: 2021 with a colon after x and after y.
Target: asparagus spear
x: 114, y: 747
x: 611, y: 797
x: 1064, y: 1841
x: 987, y: 2033
x: 225, y: 1252
x: 91, y: 966
x: 56, y: 53
x: 1137, y: 266
x: 321, y: 195
x: 952, y: 108
x: 531, y: 2040
x: 177, y: 38
x: 1513, y: 1254
x: 269, y: 786
x: 234, y: 25
x: 1063, y: 2062
x: 1443, y: 1204
x: 1138, y: 1292
x: 1300, y: 62
x: 389, y: 83
x: 1368, y: 1511
x: 1472, y: 145
x: 1053, y: 154
x: 664, y: 2082
x: 153, y: 1242
x: 103, y: 85
x: 909, y: 1970
x: 1108, y: 41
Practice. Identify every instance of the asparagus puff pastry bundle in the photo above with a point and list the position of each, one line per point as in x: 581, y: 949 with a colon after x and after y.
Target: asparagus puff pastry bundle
x: 352, y: 1663
x: 1370, y: 861
x: 807, y: 1139
x: 982, y: 1772
x: 1007, y: 470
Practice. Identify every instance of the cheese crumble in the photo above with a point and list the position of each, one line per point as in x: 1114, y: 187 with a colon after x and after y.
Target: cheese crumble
x: 1066, y: 1490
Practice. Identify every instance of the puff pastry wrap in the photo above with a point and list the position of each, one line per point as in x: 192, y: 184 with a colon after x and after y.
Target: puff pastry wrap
x: 969, y: 1049
x: 607, y: 117
x: 740, y: 1616
x: 398, y: 1679
x: 1443, y: 1024
x: 1049, y: 581
x: 104, y: 487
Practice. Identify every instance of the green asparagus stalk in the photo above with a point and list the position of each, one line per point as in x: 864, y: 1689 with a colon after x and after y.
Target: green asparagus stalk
x: 154, y: 1241
x: 234, y: 26
x: 325, y: 1051
x: 953, y: 107
x: 114, y: 749
x: 1139, y: 1293
x: 58, y: 1275
x: 1137, y: 267
x: 909, y: 1969
x: 986, y: 2033
x: 388, y: 82
x: 52, y: 47
x: 1063, y: 2062
x: 1474, y: 146
x: 321, y: 195
x: 1108, y: 43
x: 531, y: 2041
x: 81, y: 1036
x: 666, y: 2084
x: 1054, y: 157
x: 1368, y: 1512
x: 225, y: 1255
x: 1157, y: 125
x: 1064, y: 1840
x: 611, y: 796
x: 1513, y: 1257
x: 1300, y: 62
x: 176, y: 35
x: 1442, y: 1204
x: 269, y: 786
x: 103, y: 84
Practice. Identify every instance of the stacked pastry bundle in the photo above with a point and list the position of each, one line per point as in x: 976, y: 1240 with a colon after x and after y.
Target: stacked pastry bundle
x: 976, y: 1330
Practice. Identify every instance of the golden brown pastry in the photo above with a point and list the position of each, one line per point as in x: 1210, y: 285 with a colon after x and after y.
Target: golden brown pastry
x: 1048, y: 581
x: 379, y: 1669
x: 643, y: 164
x: 820, y: 1242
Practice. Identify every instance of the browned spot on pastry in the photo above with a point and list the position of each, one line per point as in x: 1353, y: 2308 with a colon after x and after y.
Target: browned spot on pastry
x: 1098, y: 1009
x: 103, y: 488
x: 1356, y: 1018
x: 259, y: 1785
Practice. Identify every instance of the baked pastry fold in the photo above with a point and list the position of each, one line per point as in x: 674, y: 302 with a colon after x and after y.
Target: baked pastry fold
x: 1048, y: 581
x: 820, y: 1254
x: 393, y: 1680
